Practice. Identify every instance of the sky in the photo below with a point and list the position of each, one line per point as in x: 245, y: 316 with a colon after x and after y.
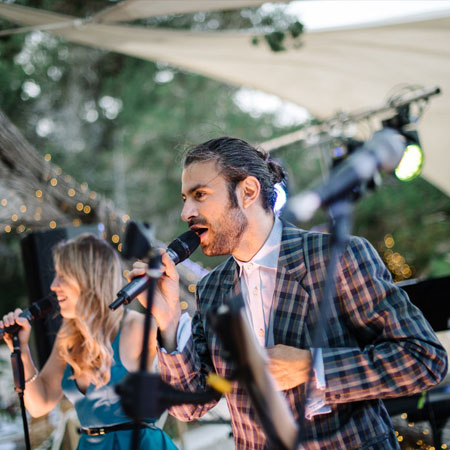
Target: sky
x: 319, y: 15
x: 323, y: 14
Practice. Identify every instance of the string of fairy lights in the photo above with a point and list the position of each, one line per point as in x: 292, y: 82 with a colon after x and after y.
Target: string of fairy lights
x: 55, y: 200
x: 59, y: 201
x: 414, y: 436
x: 395, y: 262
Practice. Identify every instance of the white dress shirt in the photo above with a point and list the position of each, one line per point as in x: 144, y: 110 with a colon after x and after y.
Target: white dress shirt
x: 258, y: 278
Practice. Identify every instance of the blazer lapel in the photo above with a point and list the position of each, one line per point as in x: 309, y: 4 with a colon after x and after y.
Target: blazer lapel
x: 291, y: 300
x: 229, y: 287
x: 229, y: 281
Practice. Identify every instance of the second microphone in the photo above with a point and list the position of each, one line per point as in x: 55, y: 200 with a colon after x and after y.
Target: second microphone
x: 178, y: 250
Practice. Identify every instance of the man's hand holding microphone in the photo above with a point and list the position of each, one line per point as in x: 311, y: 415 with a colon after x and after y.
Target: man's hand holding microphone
x: 166, y: 301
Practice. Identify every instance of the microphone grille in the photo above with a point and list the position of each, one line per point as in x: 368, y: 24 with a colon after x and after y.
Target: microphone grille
x: 185, y: 244
x: 42, y: 307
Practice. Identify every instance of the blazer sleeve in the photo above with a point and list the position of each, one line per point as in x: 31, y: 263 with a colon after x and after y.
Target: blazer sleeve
x: 397, y: 352
x: 187, y: 371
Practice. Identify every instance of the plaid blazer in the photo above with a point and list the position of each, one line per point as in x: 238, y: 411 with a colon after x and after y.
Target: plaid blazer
x: 378, y: 344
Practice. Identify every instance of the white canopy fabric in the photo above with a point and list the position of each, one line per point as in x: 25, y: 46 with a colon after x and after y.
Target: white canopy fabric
x: 136, y: 9
x: 342, y: 70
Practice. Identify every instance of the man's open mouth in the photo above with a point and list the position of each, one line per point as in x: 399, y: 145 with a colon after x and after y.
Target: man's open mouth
x: 199, y: 230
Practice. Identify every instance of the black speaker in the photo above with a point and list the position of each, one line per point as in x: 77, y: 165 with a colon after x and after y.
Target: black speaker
x: 39, y: 272
x: 431, y: 297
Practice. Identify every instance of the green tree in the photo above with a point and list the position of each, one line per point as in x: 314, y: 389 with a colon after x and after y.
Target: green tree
x: 118, y: 123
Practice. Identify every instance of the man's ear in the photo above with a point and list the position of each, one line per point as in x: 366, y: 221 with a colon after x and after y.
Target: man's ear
x: 249, y: 191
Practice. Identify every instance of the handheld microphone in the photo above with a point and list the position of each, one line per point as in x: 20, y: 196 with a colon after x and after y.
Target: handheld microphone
x: 37, y: 310
x: 178, y: 250
x: 384, y: 150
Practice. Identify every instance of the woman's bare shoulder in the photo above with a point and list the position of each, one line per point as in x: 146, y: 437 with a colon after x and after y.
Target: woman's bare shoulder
x: 132, y: 339
x: 133, y: 319
x: 132, y: 328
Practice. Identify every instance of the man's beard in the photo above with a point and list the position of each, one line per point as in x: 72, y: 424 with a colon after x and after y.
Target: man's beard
x: 227, y: 232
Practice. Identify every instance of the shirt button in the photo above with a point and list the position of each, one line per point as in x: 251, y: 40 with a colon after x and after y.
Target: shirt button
x: 250, y: 266
x: 261, y: 332
x: 255, y: 291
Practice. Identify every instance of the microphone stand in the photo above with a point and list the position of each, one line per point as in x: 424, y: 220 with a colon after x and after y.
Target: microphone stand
x: 19, y: 383
x: 144, y: 394
x: 154, y: 264
x: 340, y: 213
x: 231, y: 327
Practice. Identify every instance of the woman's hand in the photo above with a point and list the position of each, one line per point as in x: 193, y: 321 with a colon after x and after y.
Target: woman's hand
x: 12, y: 318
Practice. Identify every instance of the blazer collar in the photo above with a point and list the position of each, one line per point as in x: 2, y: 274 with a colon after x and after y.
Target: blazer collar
x: 292, y: 252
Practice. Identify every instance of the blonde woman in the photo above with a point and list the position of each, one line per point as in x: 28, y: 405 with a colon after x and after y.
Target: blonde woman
x: 94, y: 349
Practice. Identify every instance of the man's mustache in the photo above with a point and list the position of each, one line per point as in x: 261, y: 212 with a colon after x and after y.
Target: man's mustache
x: 198, y: 221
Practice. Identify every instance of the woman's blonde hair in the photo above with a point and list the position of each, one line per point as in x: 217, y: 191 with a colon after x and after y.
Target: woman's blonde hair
x: 85, y: 341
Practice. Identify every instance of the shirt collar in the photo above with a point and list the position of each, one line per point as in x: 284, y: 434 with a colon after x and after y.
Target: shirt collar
x: 267, y: 255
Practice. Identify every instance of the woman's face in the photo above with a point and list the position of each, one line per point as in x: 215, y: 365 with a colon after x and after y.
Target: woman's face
x: 67, y: 292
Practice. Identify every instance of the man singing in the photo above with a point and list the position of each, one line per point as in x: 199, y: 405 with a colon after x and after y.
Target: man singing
x: 378, y: 344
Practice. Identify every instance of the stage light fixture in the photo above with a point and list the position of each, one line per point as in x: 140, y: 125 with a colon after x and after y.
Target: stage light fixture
x: 341, y: 152
x: 411, y: 164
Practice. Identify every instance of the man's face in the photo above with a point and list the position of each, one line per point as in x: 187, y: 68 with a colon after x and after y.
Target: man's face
x: 208, y: 210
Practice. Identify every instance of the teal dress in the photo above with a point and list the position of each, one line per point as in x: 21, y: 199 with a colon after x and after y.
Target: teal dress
x: 101, y: 407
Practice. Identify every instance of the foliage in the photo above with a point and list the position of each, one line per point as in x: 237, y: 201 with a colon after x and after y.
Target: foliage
x: 417, y: 216
x: 117, y: 123
x: 120, y: 124
x: 273, y: 23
